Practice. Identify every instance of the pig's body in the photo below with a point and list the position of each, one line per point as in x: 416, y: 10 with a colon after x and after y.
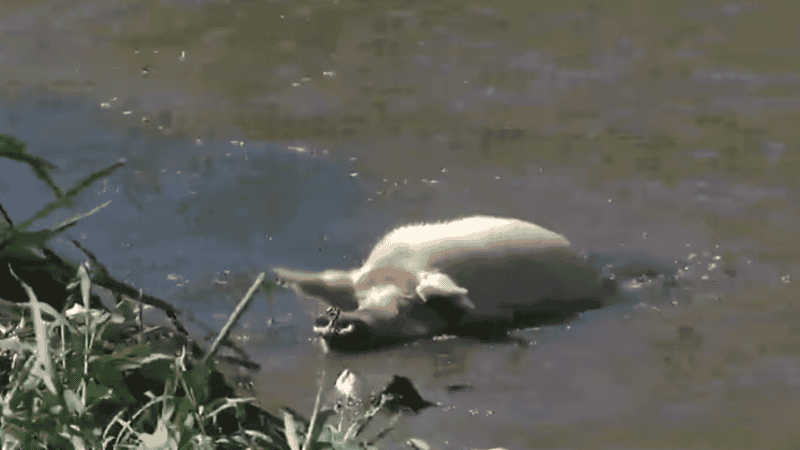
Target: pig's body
x: 476, y: 277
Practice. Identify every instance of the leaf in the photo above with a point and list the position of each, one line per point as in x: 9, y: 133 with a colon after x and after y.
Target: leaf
x: 418, y: 444
x: 16, y: 150
x: 154, y: 363
x: 100, y: 390
x: 290, y: 429
x: 161, y: 439
x: 58, y: 319
x: 15, y: 345
x: 65, y: 200
x: 77, y: 443
x: 132, y: 355
x: 106, y: 370
x: 86, y: 182
x: 74, y: 219
x: 197, y: 379
x: 42, y: 367
x: 79, y: 312
x: 74, y: 403
x: 86, y: 284
x: 25, y: 245
x: 215, y: 407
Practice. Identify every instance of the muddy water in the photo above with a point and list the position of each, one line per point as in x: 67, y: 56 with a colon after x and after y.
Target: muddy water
x: 266, y: 133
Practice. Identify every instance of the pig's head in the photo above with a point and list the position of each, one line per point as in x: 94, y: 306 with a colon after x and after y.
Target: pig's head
x: 365, y: 330
x: 383, y: 310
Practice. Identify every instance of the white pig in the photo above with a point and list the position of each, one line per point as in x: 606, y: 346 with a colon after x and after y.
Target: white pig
x: 478, y: 276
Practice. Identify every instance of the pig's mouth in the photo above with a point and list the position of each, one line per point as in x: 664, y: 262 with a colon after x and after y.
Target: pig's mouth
x: 330, y: 331
x: 334, y: 334
x: 352, y: 335
x: 330, y: 325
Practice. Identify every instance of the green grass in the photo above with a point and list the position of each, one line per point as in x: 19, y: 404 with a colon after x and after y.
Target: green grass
x: 77, y: 374
x: 71, y: 382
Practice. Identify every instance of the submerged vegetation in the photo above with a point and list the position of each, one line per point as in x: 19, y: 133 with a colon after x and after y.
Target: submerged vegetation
x: 75, y: 373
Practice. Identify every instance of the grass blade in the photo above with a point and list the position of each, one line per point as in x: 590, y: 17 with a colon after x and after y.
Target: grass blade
x: 42, y: 368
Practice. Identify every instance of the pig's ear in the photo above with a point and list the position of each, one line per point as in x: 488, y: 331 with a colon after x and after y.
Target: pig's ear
x: 432, y: 284
x: 331, y: 286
